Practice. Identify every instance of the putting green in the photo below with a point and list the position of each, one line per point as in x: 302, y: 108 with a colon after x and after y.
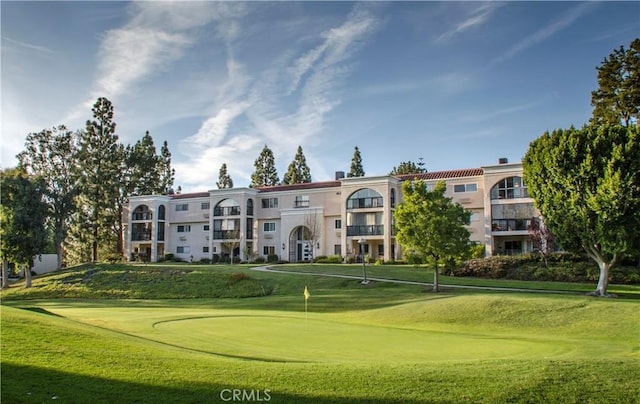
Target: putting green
x: 284, y: 338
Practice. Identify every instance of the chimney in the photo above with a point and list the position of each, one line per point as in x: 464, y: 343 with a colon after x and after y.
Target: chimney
x: 339, y: 175
x: 503, y: 160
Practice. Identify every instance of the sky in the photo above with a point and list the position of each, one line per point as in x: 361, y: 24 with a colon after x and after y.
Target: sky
x: 456, y: 84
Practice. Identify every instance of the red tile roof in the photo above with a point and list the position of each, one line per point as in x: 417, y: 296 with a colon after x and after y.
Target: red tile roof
x: 441, y: 175
x: 307, y: 185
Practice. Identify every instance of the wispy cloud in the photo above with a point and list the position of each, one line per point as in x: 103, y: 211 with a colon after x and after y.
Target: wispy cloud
x: 30, y: 46
x: 472, y: 19
x: 548, y: 30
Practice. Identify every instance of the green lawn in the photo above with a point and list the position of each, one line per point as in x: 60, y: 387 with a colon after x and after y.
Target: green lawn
x: 381, y: 342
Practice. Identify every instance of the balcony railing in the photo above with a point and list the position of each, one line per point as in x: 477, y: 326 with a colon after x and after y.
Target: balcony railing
x: 510, y: 224
x: 226, y: 211
x: 365, y: 230
x: 364, y: 203
x: 141, y: 235
x: 225, y: 235
x: 141, y: 216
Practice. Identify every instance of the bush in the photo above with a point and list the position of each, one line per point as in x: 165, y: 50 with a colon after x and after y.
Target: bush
x: 323, y: 259
x: 168, y: 256
x: 215, y: 259
x: 414, y: 259
x: 350, y: 260
x: 272, y: 258
x: 205, y: 261
x: 259, y: 260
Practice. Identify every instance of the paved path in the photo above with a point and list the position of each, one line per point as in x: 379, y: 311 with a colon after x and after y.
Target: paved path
x: 269, y: 269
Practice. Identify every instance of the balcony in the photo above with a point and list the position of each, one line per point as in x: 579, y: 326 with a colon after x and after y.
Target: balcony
x: 141, y: 216
x: 225, y: 235
x: 365, y: 230
x: 141, y: 236
x: 510, y: 224
x: 226, y: 211
x: 365, y: 203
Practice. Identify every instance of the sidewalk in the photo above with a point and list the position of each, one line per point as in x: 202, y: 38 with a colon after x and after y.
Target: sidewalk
x: 268, y: 269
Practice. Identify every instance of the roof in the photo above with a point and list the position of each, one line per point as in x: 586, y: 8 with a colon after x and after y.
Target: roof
x: 441, y: 175
x: 306, y: 185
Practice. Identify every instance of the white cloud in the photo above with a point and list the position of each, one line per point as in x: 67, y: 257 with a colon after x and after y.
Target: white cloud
x: 472, y: 19
x: 29, y: 46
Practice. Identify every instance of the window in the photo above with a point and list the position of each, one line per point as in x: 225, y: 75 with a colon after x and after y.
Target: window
x: 205, y: 249
x: 393, y: 198
x: 465, y: 188
x: 249, y: 207
x: 182, y: 207
x: 381, y: 250
x: 205, y: 206
x: 183, y: 249
x: 365, y: 198
x: 338, y: 224
x: 205, y: 227
x: 184, y: 228
x: 269, y: 226
x: 301, y: 201
x: 142, y: 212
x: 161, y: 212
x: 269, y: 203
x: 509, y: 188
x: 269, y: 250
x: 337, y: 249
x: 227, y: 207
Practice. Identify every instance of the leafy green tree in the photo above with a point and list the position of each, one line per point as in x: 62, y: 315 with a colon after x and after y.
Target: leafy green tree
x: 298, y: 172
x: 408, y: 167
x: 265, y: 173
x: 50, y: 154
x: 431, y: 224
x: 224, y: 179
x: 617, y: 99
x: 100, y: 166
x: 23, y: 213
x: 586, y: 184
x: 356, y: 165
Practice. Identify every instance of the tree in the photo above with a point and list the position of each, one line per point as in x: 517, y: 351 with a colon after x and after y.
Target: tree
x: 23, y: 214
x: 231, y: 242
x: 100, y: 164
x: 167, y: 173
x: 431, y: 224
x: 617, y: 99
x: 143, y: 163
x: 312, y: 230
x: 408, y: 167
x: 224, y: 179
x: 541, y: 238
x: 586, y: 184
x: 356, y: 165
x: 265, y: 174
x: 298, y: 172
x: 50, y: 154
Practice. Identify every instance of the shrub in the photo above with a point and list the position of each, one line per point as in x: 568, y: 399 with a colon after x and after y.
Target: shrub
x: 259, y: 260
x: 334, y: 259
x: 414, y: 259
x: 350, y: 260
x: 272, y: 258
x: 205, y: 261
x: 168, y: 256
x: 215, y: 259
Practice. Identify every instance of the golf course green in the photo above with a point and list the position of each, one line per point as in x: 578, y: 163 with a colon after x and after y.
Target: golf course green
x: 349, y: 343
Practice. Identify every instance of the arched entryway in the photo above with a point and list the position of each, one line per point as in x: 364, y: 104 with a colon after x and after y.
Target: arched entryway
x: 300, y: 245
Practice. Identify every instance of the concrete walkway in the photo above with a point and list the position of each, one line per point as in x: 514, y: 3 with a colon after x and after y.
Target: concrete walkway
x: 269, y: 269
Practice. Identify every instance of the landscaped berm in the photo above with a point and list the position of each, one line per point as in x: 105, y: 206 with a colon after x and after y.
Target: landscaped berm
x: 184, y: 333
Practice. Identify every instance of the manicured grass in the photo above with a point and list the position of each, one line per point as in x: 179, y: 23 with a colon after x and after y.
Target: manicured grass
x: 375, y: 343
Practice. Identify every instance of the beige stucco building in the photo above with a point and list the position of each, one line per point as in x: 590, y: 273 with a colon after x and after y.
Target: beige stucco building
x: 347, y: 217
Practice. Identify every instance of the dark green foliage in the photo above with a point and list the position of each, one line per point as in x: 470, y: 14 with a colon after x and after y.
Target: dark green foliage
x: 224, y: 179
x: 273, y: 258
x: 323, y: 259
x: 408, y: 167
x: 298, y: 172
x: 23, y: 213
x: 356, y: 169
x: 265, y: 173
x: 586, y: 184
x: 617, y: 99
x: 51, y: 155
x: 167, y: 173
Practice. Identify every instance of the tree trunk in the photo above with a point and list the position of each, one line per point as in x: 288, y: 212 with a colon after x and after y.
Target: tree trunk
x: 435, y: 277
x: 5, y: 273
x: 603, y: 281
x: 27, y: 275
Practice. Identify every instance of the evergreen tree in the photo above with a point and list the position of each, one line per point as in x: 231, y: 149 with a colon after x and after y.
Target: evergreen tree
x: 298, y: 172
x: 50, y: 154
x: 99, y: 166
x: 224, y: 179
x: 408, y: 167
x: 167, y: 173
x: 356, y: 165
x: 143, y: 163
x: 617, y: 99
x: 265, y: 173
x: 23, y: 214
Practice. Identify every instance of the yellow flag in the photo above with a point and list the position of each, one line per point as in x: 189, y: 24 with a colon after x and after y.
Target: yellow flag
x: 306, y: 293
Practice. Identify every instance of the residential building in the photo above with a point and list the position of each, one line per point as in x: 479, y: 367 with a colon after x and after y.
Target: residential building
x: 346, y: 216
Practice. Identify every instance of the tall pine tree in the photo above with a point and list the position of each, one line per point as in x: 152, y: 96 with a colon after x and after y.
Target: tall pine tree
x: 356, y: 165
x: 298, y: 172
x: 224, y: 179
x: 265, y: 173
x: 167, y: 173
x: 99, y: 167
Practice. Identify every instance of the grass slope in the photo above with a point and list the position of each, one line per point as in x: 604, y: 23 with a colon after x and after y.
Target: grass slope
x: 380, y: 343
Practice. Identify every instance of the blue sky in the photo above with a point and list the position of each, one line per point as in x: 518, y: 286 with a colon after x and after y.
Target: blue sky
x: 458, y: 84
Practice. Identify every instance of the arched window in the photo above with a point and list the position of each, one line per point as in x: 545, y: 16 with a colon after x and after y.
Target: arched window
x: 161, y: 212
x: 249, y: 207
x: 509, y: 188
x: 365, y: 198
x: 227, y: 207
x: 393, y: 198
x: 142, y: 212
